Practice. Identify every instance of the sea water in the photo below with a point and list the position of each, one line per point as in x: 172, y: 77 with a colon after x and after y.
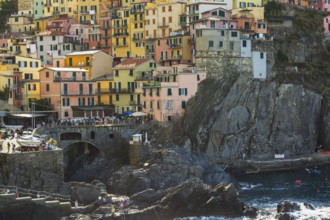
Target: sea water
x: 265, y: 191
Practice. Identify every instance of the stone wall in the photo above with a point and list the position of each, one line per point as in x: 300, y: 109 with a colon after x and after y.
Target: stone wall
x: 42, y: 170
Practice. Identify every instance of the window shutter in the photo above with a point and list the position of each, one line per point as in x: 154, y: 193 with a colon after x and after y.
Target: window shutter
x: 186, y: 91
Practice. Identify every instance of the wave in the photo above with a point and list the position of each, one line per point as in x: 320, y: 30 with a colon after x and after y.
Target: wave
x: 249, y: 186
x: 269, y: 213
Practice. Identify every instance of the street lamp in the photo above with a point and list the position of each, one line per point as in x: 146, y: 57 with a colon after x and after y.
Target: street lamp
x: 33, y: 106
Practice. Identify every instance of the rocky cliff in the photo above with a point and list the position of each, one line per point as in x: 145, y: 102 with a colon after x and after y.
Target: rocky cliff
x: 285, y: 114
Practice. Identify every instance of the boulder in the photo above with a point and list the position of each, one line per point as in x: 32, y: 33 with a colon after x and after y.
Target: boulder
x: 84, y: 193
x: 287, y: 206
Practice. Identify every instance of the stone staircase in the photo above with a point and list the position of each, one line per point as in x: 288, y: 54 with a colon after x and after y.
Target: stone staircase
x: 11, y: 199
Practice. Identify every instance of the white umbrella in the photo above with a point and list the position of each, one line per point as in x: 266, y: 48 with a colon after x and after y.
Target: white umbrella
x: 138, y: 114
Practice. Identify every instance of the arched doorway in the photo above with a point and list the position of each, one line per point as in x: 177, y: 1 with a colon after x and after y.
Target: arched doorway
x: 77, y: 156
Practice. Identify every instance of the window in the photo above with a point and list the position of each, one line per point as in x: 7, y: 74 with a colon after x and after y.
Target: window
x: 163, y: 9
x: 170, y: 8
x: 41, y: 48
x: 47, y: 87
x: 117, y: 97
x: 66, y: 113
x: 169, y: 104
x: 47, y: 74
x: 131, y: 72
x: 144, y: 104
x: 158, y: 105
x: 169, y: 91
x: 53, y: 38
x: 234, y: 34
x: 183, y: 91
x: 70, y: 61
x: 169, y: 19
x: 244, y: 43
x: 261, y: 55
x: 220, y: 43
x: 211, y: 43
x: 66, y: 101
x: 231, y: 45
x: 41, y: 38
x: 116, y: 73
x: 183, y: 104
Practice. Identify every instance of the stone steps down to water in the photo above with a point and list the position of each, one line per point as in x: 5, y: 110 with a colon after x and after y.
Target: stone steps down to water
x: 11, y: 199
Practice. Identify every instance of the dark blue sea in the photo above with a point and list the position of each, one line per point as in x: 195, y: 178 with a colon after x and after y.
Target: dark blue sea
x: 265, y: 191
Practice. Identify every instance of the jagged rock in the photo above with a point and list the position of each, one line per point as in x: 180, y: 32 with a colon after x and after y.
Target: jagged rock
x: 84, y: 193
x: 148, y: 196
x: 250, y: 212
x: 252, y: 116
x: 285, y: 216
x: 287, y: 206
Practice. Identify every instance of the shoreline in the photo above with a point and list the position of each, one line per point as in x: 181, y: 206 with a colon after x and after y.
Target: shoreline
x: 247, y: 167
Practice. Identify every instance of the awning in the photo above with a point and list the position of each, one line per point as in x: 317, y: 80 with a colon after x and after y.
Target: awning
x: 28, y: 115
x: 91, y: 108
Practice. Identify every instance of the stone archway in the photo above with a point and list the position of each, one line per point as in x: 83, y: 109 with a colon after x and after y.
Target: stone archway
x: 78, y: 155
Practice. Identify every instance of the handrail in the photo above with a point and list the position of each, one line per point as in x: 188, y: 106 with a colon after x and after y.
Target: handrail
x: 35, y: 193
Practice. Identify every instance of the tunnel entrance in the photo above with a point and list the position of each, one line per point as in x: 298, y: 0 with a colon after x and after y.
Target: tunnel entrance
x: 77, y: 157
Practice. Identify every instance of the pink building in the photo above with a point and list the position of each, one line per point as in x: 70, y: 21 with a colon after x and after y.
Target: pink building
x: 61, y: 24
x: 166, y: 97
x: 69, y: 91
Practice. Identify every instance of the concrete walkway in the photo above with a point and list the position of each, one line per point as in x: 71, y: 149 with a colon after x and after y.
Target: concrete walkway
x: 254, y: 166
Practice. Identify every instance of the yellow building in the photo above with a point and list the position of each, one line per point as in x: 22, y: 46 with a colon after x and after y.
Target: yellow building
x: 97, y: 62
x: 41, y: 23
x: 126, y: 87
x: 121, y: 39
x: 103, y: 90
x: 20, y: 23
x: 137, y: 30
x: 29, y: 67
x: 7, y: 77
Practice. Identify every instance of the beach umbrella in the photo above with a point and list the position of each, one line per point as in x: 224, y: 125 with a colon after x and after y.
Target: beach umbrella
x: 138, y: 114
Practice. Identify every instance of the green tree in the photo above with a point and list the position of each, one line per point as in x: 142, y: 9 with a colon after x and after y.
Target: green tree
x: 4, y: 93
x: 6, y: 9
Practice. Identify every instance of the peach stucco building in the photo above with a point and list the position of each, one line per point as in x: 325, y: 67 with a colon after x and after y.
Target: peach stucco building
x: 67, y: 88
x: 166, y: 97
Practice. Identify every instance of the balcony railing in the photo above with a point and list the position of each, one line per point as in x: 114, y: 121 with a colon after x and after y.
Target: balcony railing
x: 116, y: 26
x: 105, y: 27
x: 77, y: 93
x: 151, y: 84
x: 175, y: 45
x: 125, y: 90
x: 137, y: 10
x: 179, y: 57
x: 120, y: 34
x: 163, y: 25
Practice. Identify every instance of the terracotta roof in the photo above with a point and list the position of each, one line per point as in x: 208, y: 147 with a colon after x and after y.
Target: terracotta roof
x: 130, y: 63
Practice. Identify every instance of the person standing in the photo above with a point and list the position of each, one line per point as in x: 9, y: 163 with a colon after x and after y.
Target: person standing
x: 8, y: 147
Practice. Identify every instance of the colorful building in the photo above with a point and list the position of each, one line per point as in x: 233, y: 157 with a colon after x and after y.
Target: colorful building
x: 68, y: 90
x: 166, y: 97
x: 20, y: 23
x: 29, y: 68
x: 62, y: 23
x: 97, y: 62
x: 126, y: 87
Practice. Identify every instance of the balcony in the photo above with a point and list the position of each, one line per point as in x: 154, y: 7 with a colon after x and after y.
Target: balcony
x: 137, y: 10
x: 163, y: 58
x: 151, y: 85
x: 174, y: 46
x: 115, y: 16
x: 85, y: 22
x: 179, y: 57
x: 126, y: 90
x: 116, y: 26
x: 102, y: 91
x: 137, y: 38
x: 162, y: 25
x: 84, y: 12
x: 77, y: 93
x: 120, y: 34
